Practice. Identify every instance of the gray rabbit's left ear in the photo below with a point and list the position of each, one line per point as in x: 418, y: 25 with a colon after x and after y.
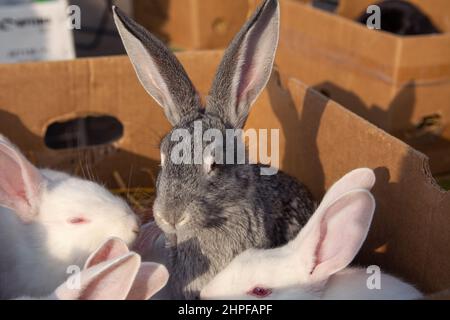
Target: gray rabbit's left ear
x: 158, y: 70
x: 246, y: 66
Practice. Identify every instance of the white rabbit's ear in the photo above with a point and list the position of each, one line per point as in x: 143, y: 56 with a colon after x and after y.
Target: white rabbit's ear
x: 110, y: 280
x: 362, y: 178
x: 151, y: 278
x: 111, y: 249
x: 246, y: 66
x: 20, y: 182
x: 158, y: 70
x: 335, y: 236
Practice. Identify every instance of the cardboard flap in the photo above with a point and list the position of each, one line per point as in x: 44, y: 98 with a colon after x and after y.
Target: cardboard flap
x: 308, y: 31
x: 381, y: 55
x: 410, y: 233
x: 320, y: 141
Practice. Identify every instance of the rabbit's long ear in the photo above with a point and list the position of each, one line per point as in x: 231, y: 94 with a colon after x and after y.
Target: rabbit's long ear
x: 151, y: 278
x: 333, y: 239
x: 362, y: 178
x: 111, y: 280
x: 20, y: 182
x: 109, y: 250
x: 246, y: 66
x: 158, y: 70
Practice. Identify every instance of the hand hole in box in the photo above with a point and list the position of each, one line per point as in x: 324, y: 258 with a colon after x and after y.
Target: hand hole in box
x: 327, y: 5
x: 401, y: 18
x: 325, y: 92
x: 83, y: 132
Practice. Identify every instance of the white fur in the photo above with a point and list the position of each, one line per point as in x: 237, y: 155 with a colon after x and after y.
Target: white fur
x: 112, y: 272
x: 314, y: 264
x: 277, y: 270
x: 35, y: 254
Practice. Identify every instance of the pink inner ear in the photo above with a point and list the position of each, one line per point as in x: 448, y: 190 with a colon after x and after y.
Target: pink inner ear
x: 248, y: 76
x: 328, y: 247
x: 113, y: 282
x: 20, y: 182
x: 336, y: 237
x: 151, y: 278
x: 111, y: 249
x: 12, y: 187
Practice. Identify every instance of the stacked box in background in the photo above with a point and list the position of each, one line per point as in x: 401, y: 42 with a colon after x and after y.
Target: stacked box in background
x: 192, y: 24
x: 401, y: 84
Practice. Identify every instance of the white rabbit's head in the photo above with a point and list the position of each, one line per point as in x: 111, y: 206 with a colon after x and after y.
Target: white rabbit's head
x: 65, y: 218
x: 299, y: 270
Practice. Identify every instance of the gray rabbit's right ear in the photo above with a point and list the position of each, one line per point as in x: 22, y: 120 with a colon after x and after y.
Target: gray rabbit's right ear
x: 246, y: 66
x: 158, y: 70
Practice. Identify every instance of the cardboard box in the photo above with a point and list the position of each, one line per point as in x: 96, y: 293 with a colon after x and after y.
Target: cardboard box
x: 401, y: 84
x: 192, y: 24
x: 319, y: 139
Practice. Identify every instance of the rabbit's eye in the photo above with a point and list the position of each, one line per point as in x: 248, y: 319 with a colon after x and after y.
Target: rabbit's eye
x: 78, y: 220
x: 260, y: 292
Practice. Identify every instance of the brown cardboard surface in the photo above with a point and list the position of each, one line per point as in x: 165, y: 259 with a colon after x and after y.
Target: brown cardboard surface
x: 35, y: 95
x: 319, y: 140
x: 192, y: 24
x: 394, y: 82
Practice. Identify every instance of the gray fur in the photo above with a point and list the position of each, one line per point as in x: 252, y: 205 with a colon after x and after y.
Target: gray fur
x: 233, y: 207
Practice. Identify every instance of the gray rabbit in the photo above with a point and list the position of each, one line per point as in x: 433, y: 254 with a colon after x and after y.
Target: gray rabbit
x: 211, y: 211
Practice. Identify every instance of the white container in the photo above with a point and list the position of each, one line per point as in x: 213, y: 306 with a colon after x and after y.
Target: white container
x: 35, y: 31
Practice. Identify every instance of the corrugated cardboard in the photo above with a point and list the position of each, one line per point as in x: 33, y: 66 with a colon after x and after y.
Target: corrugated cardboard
x: 192, y: 24
x: 319, y: 140
x: 395, y: 82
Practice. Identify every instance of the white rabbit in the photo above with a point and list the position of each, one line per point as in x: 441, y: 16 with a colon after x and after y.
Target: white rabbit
x: 314, y: 264
x: 112, y: 273
x: 50, y: 221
